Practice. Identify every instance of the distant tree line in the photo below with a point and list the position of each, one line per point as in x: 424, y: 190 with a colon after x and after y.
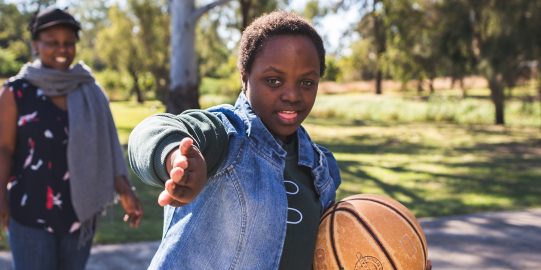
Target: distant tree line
x: 403, y: 40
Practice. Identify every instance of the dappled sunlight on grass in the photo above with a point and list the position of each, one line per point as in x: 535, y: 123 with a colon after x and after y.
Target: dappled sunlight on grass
x: 436, y: 170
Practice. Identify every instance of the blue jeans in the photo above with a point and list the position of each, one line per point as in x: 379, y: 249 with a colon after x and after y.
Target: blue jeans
x: 34, y: 248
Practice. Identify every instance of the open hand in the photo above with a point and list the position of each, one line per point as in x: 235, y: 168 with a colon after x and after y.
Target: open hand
x: 188, y: 171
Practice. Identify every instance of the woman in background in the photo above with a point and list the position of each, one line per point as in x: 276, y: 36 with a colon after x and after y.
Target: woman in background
x: 60, y: 158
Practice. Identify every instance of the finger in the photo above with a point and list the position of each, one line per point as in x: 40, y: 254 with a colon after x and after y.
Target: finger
x: 137, y: 220
x: 185, y: 145
x: 133, y: 219
x: 178, y: 192
x: 179, y: 160
x: 177, y: 174
x: 165, y: 199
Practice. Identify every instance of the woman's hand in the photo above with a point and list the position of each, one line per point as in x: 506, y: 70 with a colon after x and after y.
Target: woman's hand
x: 188, y: 171
x: 129, y: 202
x: 4, y: 215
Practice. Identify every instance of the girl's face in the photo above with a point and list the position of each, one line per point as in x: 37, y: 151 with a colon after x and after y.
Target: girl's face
x: 56, y: 47
x: 282, y: 83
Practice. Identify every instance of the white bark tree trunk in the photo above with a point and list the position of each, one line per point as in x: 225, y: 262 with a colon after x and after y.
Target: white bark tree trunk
x: 184, y: 88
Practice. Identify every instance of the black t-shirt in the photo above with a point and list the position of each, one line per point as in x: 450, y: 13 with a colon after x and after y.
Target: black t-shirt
x: 304, y: 213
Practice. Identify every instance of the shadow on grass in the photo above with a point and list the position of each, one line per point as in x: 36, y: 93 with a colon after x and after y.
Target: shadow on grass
x: 502, y: 176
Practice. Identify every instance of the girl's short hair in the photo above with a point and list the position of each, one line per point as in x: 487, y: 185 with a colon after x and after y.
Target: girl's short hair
x: 274, y: 24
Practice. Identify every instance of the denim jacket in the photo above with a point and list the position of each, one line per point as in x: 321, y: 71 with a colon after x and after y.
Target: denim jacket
x: 238, y: 221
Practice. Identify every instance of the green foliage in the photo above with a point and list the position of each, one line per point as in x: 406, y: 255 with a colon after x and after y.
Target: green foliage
x: 227, y: 88
x: 361, y: 64
x: 115, y: 84
x: 14, y: 39
x: 312, y: 9
x: 8, y: 64
x: 215, y: 54
x: 332, y: 71
x: 438, y: 108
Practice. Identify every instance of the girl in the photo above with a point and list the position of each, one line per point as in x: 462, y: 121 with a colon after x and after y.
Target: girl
x: 246, y: 187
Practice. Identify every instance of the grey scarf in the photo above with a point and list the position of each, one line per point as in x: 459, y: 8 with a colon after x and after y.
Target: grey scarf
x: 94, y: 153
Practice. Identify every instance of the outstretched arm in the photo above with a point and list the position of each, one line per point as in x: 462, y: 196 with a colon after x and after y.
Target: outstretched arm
x: 157, y: 158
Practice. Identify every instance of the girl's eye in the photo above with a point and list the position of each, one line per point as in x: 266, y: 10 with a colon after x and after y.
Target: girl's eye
x: 307, y: 83
x: 273, y: 82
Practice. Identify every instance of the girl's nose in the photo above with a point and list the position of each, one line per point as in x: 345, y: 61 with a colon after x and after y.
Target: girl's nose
x: 291, y: 93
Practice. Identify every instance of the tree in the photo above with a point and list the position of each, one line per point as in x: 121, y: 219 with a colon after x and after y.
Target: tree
x: 412, y: 37
x: 251, y: 9
x: 93, y: 16
x: 119, y: 48
x: 454, y: 39
x: 184, y: 87
x: 371, y: 27
x: 14, y: 39
x: 501, y: 44
x: 152, y: 20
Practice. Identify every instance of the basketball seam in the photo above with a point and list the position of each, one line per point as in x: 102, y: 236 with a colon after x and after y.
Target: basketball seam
x: 371, y: 232
x: 401, y: 215
x: 331, y: 236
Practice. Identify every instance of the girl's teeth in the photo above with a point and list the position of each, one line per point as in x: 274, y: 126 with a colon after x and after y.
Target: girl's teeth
x: 60, y: 59
x: 287, y: 115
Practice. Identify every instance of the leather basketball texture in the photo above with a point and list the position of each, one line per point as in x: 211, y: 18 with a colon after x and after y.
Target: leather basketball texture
x: 370, y: 232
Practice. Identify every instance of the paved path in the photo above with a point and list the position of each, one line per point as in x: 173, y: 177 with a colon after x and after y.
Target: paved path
x: 488, y: 241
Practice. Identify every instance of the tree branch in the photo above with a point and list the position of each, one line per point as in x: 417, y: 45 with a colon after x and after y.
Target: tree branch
x: 202, y: 10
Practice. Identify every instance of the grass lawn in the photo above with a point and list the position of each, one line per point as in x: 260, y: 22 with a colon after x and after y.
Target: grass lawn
x: 435, y: 168
x: 455, y: 163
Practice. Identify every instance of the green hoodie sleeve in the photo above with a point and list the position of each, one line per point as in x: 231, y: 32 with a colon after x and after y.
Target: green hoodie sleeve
x: 151, y: 141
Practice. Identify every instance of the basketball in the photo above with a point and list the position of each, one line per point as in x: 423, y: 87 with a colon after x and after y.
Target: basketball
x: 370, y: 232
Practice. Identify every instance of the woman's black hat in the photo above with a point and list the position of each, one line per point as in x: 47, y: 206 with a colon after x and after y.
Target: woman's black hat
x: 51, y: 17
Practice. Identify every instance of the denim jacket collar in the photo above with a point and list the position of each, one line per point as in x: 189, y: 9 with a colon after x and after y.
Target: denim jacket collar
x: 257, y: 130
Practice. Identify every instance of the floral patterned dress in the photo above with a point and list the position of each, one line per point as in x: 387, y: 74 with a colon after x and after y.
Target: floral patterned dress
x: 39, y: 187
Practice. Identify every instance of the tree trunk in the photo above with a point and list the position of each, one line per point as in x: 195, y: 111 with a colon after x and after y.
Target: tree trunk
x: 431, y: 85
x: 182, y: 98
x: 463, y: 88
x: 498, y: 98
x: 184, y: 88
x: 378, y: 82
x: 380, y: 46
x: 539, y: 93
x: 419, y: 86
x: 245, y: 12
x: 135, y: 88
x: 183, y: 72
